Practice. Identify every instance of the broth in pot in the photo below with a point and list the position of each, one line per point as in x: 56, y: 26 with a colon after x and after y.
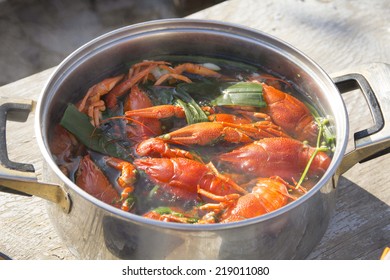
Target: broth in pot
x: 193, y: 140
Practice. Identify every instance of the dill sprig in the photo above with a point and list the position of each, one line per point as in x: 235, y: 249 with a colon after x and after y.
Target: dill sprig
x: 320, y: 147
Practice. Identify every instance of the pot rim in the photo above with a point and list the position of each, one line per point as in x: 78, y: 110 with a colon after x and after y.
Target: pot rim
x: 209, y: 25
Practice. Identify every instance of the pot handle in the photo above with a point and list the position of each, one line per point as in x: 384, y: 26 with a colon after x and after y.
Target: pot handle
x: 374, y: 82
x: 19, y: 178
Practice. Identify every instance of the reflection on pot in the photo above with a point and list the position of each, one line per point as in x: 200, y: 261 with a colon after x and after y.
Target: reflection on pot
x: 132, y: 241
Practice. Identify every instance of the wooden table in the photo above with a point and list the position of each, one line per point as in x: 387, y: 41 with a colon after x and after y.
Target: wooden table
x: 335, y: 34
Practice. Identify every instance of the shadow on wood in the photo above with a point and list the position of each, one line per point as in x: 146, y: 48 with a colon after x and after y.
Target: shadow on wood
x: 357, y: 211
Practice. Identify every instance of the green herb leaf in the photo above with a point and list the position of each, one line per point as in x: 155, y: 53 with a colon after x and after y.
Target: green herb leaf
x: 194, y: 113
x: 79, y: 125
x: 241, y: 94
x: 166, y: 210
x: 201, y: 90
x: 153, y: 191
x: 163, y: 210
x: 161, y: 95
x: 179, y: 96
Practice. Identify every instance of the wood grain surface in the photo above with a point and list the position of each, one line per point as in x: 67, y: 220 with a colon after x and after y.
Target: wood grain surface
x: 335, y: 34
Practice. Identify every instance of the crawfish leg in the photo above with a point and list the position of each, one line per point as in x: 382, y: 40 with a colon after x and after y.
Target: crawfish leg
x: 158, y: 147
x: 229, y: 181
x: 219, y: 198
x: 128, y: 172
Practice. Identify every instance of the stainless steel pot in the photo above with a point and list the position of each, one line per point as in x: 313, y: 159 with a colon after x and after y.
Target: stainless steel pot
x: 95, y: 230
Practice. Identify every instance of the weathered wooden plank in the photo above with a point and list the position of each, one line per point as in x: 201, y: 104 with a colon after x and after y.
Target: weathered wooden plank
x: 25, y: 229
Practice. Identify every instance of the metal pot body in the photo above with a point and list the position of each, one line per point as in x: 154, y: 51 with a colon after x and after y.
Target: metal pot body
x: 95, y: 230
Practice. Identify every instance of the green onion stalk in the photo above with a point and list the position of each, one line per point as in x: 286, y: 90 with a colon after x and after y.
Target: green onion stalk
x: 320, y: 147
